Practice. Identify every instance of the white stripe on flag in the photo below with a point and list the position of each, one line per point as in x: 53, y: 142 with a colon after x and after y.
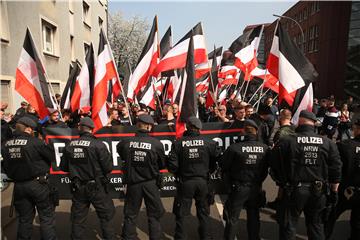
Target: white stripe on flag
x: 247, y: 53
x: 102, y: 60
x: 305, y: 104
x: 83, y: 81
x: 289, y: 76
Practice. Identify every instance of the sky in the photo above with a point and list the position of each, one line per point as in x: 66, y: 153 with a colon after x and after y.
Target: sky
x: 222, y: 21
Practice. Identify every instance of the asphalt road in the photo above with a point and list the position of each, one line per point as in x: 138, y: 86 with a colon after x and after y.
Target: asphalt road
x: 269, y: 228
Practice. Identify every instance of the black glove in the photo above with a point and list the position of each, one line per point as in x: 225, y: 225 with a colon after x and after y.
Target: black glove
x: 160, y: 181
x: 333, y: 198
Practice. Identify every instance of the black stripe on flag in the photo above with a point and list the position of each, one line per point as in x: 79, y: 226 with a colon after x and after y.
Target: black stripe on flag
x: 70, y: 84
x: 102, y: 42
x: 245, y: 39
x: 150, y: 41
x: 189, y: 104
x: 217, y: 51
x: 165, y: 46
x: 197, y: 30
x: 90, y: 62
x: 165, y: 43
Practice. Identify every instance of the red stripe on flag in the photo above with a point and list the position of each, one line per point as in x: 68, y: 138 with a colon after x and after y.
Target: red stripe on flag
x: 75, y: 99
x: 179, y: 61
x: 31, y: 94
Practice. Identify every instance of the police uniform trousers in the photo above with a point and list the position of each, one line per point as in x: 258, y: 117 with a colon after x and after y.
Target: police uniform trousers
x: 192, y: 188
x: 302, y: 198
x: 154, y: 209
x: 28, y: 196
x: 92, y: 193
x: 242, y: 195
x: 344, y: 204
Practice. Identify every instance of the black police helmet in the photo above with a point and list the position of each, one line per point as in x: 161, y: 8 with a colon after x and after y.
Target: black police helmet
x: 27, y: 122
x: 195, y: 122
x: 145, y: 118
x: 251, y: 123
x: 264, y: 109
x: 87, y: 122
x: 308, y: 115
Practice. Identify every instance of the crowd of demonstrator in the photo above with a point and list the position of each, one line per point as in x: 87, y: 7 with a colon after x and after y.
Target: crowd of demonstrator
x: 313, y: 174
x: 334, y: 117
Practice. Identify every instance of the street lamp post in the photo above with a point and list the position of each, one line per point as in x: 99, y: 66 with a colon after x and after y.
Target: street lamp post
x: 297, y: 23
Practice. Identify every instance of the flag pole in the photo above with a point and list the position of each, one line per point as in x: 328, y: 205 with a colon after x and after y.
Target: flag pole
x: 256, y: 92
x: 121, y: 86
x: 258, y: 101
x: 46, y: 77
x: 246, y: 88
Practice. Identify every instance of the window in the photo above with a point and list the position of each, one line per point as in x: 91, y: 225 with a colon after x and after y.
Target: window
x: 100, y: 22
x: 5, y: 91
x: 305, y: 13
x: 86, y: 48
x: 86, y: 14
x: 48, y: 32
x: 72, y: 48
x: 316, y: 45
x: 56, y: 87
x: 4, y: 21
x: 300, y: 17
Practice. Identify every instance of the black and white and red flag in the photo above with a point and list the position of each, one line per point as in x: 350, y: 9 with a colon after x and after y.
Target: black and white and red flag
x: 84, y: 86
x: 204, y: 68
x: 270, y: 81
x: 304, y: 101
x: 228, y: 75
x: 69, y: 87
x: 187, y: 103
x: 148, y: 60
x: 245, y: 50
x: 31, y: 82
x: 203, y: 85
x: 295, y: 70
x: 213, y: 84
x: 176, y: 57
x: 105, y: 72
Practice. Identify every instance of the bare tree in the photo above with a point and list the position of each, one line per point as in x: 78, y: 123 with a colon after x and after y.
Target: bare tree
x: 127, y: 38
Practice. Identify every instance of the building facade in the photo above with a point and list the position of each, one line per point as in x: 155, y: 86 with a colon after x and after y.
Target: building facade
x: 330, y: 40
x: 62, y: 32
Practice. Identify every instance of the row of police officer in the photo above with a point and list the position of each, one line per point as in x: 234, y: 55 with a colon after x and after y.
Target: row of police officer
x: 307, y: 166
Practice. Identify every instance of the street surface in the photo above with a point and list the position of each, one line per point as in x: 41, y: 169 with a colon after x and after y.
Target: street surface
x: 269, y: 228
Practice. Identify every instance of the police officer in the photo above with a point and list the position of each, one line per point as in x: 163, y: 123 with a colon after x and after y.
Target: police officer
x: 307, y: 166
x: 27, y: 161
x: 349, y: 189
x: 88, y: 162
x: 245, y: 167
x: 143, y: 157
x: 192, y: 159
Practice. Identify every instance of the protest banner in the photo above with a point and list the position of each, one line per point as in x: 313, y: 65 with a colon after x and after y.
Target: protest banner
x: 222, y: 133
